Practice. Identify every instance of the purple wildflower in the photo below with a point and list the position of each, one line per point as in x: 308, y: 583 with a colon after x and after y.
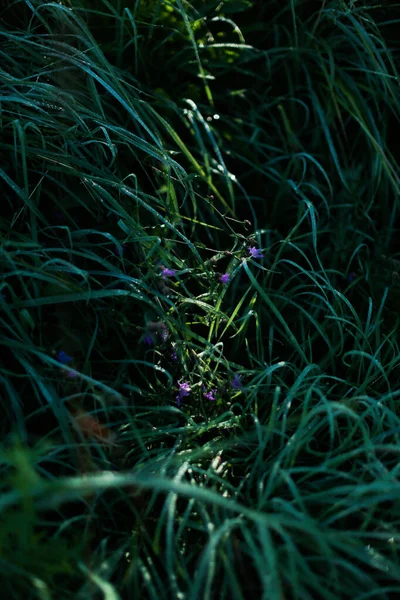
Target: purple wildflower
x: 174, y: 356
x: 210, y: 395
x: 255, y: 252
x: 236, y: 382
x: 184, y: 390
x: 148, y: 340
x: 72, y: 374
x: 167, y: 272
x: 64, y: 358
x: 225, y: 278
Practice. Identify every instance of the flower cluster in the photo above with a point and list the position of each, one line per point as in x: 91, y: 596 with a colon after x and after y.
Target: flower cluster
x: 211, y: 395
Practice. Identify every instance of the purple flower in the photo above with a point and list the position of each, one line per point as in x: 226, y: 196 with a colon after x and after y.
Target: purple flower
x: 148, y: 340
x: 174, y: 356
x: 210, y: 395
x: 236, y: 382
x: 64, y: 358
x: 255, y: 252
x: 167, y: 272
x: 225, y: 278
x: 184, y: 390
x: 72, y: 374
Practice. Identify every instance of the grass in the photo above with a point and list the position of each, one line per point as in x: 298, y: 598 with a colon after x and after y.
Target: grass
x: 151, y: 135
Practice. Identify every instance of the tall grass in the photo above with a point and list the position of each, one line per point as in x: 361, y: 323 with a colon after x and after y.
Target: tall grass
x: 145, y: 148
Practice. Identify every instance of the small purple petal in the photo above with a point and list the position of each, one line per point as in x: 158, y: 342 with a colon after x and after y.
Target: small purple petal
x: 174, y: 356
x: 351, y: 277
x: 64, y: 358
x: 72, y: 374
x: 255, y: 252
x: 167, y: 272
x: 210, y: 395
x: 119, y: 251
x: 148, y: 340
x: 225, y: 278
